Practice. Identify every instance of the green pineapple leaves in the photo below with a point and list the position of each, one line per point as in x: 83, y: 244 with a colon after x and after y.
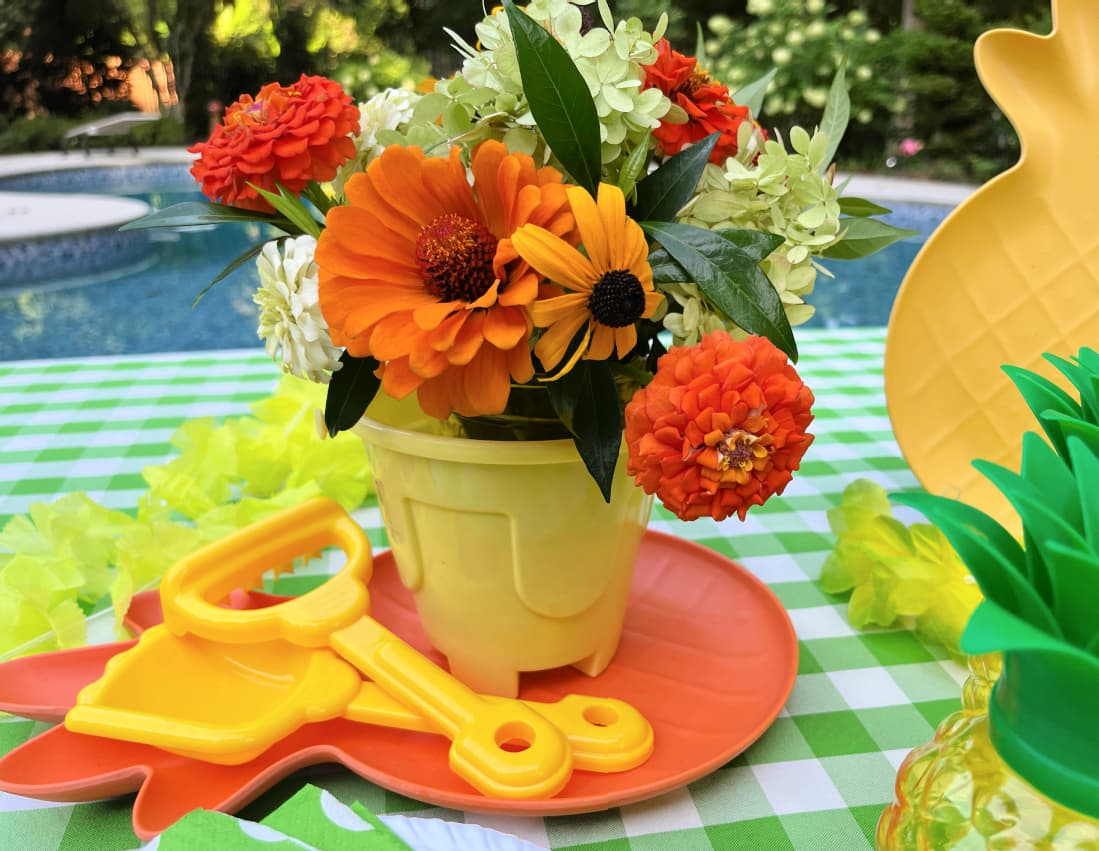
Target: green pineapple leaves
x: 1043, y: 595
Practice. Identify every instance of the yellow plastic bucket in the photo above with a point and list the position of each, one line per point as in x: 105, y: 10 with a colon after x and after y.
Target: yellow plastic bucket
x: 515, y: 560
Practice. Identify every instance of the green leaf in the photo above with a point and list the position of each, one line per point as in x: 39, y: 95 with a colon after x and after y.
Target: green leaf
x: 634, y: 165
x: 1042, y: 396
x: 700, y: 43
x: 350, y: 392
x: 1085, y: 468
x: 1083, y: 379
x: 752, y: 94
x: 558, y: 98
x: 196, y: 213
x: 993, y: 628
x: 663, y: 193
x: 731, y: 279
x: 837, y: 112
x: 292, y: 209
x: 250, y: 254
x: 586, y: 400
x: 756, y: 244
x: 860, y: 207
x: 864, y: 237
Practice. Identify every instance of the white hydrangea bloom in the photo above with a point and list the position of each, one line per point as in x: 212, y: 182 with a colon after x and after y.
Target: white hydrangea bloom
x: 388, y: 110
x: 290, y: 319
x: 610, y: 60
x: 788, y: 193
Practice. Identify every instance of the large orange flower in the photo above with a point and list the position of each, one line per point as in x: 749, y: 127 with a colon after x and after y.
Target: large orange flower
x: 418, y: 271
x: 289, y: 135
x: 708, y: 105
x: 720, y: 428
x: 610, y: 288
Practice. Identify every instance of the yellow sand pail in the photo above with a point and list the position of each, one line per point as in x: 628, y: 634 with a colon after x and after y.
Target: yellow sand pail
x: 515, y: 560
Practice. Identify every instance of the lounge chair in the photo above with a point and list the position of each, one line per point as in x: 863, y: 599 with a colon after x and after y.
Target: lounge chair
x: 109, y: 127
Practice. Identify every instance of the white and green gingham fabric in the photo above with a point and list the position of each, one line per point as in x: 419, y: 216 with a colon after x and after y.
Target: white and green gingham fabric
x: 818, y: 779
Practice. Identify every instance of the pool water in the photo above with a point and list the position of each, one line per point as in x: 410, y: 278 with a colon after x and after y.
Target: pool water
x: 145, y: 306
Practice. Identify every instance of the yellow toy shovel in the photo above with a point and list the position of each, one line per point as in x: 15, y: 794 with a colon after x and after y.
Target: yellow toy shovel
x: 224, y: 685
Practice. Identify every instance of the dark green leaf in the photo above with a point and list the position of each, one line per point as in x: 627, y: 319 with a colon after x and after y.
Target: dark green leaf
x: 586, y: 400
x: 837, y: 112
x: 655, y: 353
x: 350, y: 392
x: 860, y: 207
x: 756, y: 244
x: 663, y: 193
x: 558, y: 98
x: 195, y: 213
x: 865, y: 237
x: 752, y: 94
x: 228, y: 270
x: 731, y: 279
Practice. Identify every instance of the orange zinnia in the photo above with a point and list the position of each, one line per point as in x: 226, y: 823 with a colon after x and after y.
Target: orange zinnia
x: 286, y: 135
x: 708, y: 105
x: 720, y: 428
x: 419, y: 271
x: 611, y: 287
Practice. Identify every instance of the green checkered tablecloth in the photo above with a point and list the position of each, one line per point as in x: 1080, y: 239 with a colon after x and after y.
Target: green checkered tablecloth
x: 818, y: 779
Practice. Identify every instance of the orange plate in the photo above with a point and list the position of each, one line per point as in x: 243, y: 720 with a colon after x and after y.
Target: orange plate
x: 708, y: 655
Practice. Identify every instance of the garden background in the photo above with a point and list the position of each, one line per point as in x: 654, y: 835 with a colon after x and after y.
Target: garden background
x: 917, y: 106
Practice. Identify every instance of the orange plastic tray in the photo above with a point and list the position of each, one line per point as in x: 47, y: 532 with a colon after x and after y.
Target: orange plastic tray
x: 708, y: 655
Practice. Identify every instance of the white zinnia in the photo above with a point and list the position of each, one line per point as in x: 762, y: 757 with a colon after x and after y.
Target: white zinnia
x: 387, y: 110
x: 290, y: 319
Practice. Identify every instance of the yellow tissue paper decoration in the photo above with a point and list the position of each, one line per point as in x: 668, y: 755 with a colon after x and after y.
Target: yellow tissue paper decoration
x: 898, y: 575
x: 66, y: 558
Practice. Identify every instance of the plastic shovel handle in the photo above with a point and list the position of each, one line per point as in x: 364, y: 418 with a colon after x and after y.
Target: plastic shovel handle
x: 504, y: 749
x: 194, y: 586
x: 605, y: 734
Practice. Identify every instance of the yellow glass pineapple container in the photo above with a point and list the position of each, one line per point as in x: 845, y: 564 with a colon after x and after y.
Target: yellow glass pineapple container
x: 1018, y: 766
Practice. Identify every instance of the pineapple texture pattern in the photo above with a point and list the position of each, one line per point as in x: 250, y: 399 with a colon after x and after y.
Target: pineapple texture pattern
x: 1012, y: 273
x: 956, y: 794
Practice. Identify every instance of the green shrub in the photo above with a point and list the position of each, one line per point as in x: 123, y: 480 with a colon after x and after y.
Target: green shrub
x: 805, y: 41
x: 167, y: 131
x: 41, y: 133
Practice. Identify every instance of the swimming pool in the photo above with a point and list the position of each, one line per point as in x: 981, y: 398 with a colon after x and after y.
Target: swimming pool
x: 144, y: 304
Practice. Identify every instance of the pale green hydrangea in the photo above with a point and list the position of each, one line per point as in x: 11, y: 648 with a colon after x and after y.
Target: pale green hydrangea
x: 697, y: 318
x: 610, y: 60
x: 784, y: 192
x: 387, y: 110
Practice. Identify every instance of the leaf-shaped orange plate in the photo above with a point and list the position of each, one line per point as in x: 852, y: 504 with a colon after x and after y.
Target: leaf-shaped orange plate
x: 1010, y: 274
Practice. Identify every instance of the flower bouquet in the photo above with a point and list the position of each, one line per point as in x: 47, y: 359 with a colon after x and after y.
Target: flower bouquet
x: 519, y: 244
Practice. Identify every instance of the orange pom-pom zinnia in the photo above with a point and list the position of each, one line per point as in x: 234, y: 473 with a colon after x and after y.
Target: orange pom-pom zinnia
x: 285, y: 135
x: 720, y: 428
x: 709, y: 107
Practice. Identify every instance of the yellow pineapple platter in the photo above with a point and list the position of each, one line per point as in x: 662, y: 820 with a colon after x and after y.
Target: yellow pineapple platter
x: 1018, y: 767
x: 1010, y: 274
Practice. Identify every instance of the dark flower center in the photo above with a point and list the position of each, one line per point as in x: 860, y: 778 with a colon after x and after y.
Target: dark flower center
x: 699, y: 79
x: 617, y: 299
x: 455, y: 258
